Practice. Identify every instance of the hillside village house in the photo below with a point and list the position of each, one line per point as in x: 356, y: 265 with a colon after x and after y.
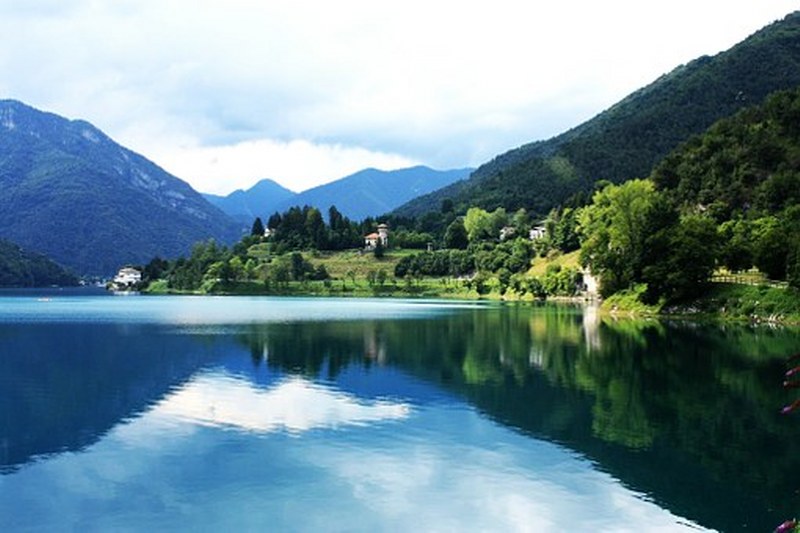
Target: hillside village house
x: 537, y: 232
x: 127, y: 277
x: 507, y: 232
x: 382, y: 236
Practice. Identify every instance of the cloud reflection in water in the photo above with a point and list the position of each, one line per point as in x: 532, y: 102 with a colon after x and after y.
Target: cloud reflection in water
x: 440, y: 468
x: 294, y: 404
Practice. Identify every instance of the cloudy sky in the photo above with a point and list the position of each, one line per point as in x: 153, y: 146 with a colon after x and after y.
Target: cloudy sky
x: 223, y: 94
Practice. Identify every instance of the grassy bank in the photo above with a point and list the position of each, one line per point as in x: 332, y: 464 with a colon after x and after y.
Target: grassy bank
x: 723, y: 301
x: 344, y: 287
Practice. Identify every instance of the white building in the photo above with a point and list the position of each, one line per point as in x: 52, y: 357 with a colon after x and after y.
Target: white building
x: 127, y: 277
x: 537, y: 232
x: 382, y: 236
x: 591, y: 285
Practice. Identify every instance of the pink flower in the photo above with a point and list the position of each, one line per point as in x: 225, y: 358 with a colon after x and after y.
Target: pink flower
x: 791, y: 407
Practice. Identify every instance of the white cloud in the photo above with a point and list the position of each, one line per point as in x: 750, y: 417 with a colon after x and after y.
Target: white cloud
x: 298, y: 165
x: 444, y: 83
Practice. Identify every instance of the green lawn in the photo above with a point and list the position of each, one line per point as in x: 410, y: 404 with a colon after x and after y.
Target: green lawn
x: 340, y: 264
x: 540, y: 264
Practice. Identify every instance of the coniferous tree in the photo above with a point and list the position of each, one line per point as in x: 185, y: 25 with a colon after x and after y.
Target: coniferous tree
x: 258, y: 228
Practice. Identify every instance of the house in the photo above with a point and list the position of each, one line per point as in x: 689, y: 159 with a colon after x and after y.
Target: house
x: 537, y: 232
x: 127, y: 277
x: 382, y: 236
x: 268, y: 233
x: 507, y: 232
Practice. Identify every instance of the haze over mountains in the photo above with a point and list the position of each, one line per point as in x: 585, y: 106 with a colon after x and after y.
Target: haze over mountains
x: 367, y: 193
x: 73, y: 194
x: 630, y: 138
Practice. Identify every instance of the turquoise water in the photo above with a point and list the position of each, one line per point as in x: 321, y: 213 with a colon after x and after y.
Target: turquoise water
x: 203, y: 413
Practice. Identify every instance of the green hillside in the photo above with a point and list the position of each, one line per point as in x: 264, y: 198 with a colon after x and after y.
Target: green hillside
x: 727, y: 198
x: 75, y: 195
x: 629, y: 139
x: 20, y: 268
x: 744, y: 165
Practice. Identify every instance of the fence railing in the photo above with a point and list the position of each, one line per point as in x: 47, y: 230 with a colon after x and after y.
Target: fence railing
x: 747, y: 279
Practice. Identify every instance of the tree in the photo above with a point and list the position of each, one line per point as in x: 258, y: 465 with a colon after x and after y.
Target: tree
x: 564, y: 232
x: 613, y: 231
x: 258, y: 228
x: 379, y: 251
x: 237, y: 268
x: 298, y: 266
x: 771, y: 248
x: 688, y: 262
x: 335, y: 219
x: 274, y: 221
x: 455, y: 236
x: 478, y: 224
x: 314, y: 228
x: 155, y: 269
x: 793, y: 265
x: 736, y: 251
x: 498, y: 219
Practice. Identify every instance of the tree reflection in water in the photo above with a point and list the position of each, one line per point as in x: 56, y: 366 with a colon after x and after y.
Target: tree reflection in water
x: 672, y: 409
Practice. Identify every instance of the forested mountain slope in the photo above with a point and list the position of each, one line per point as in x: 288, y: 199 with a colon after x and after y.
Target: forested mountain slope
x: 630, y: 138
x: 72, y: 193
x: 745, y: 165
x: 20, y: 268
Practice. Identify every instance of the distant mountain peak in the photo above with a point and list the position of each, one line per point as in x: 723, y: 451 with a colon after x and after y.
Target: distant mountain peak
x: 367, y: 192
x: 257, y: 201
x: 72, y: 193
x: 373, y: 192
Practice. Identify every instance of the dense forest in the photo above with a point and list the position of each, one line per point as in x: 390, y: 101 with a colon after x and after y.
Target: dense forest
x: 629, y: 139
x: 726, y: 198
x: 20, y: 268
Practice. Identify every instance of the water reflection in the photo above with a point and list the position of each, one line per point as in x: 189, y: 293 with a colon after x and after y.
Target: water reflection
x: 406, y: 412
x: 293, y: 404
x: 64, y: 386
x: 672, y: 409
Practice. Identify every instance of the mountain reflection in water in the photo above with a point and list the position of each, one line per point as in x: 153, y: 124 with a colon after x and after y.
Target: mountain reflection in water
x: 512, y: 401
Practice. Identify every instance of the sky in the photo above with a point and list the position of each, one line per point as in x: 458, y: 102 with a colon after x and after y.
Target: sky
x: 223, y: 94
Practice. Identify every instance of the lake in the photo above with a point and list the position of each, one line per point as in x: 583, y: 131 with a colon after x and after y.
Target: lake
x: 300, y: 414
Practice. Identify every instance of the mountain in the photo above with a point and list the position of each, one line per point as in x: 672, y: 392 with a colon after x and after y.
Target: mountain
x: 747, y: 163
x: 20, y: 268
x: 260, y: 199
x: 373, y: 192
x: 627, y: 140
x: 72, y: 193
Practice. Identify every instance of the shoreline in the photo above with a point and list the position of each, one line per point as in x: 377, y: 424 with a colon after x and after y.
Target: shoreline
x: 723, y: 304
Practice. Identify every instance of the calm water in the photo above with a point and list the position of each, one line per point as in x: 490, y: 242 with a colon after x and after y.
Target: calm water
x: 140, y: 413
